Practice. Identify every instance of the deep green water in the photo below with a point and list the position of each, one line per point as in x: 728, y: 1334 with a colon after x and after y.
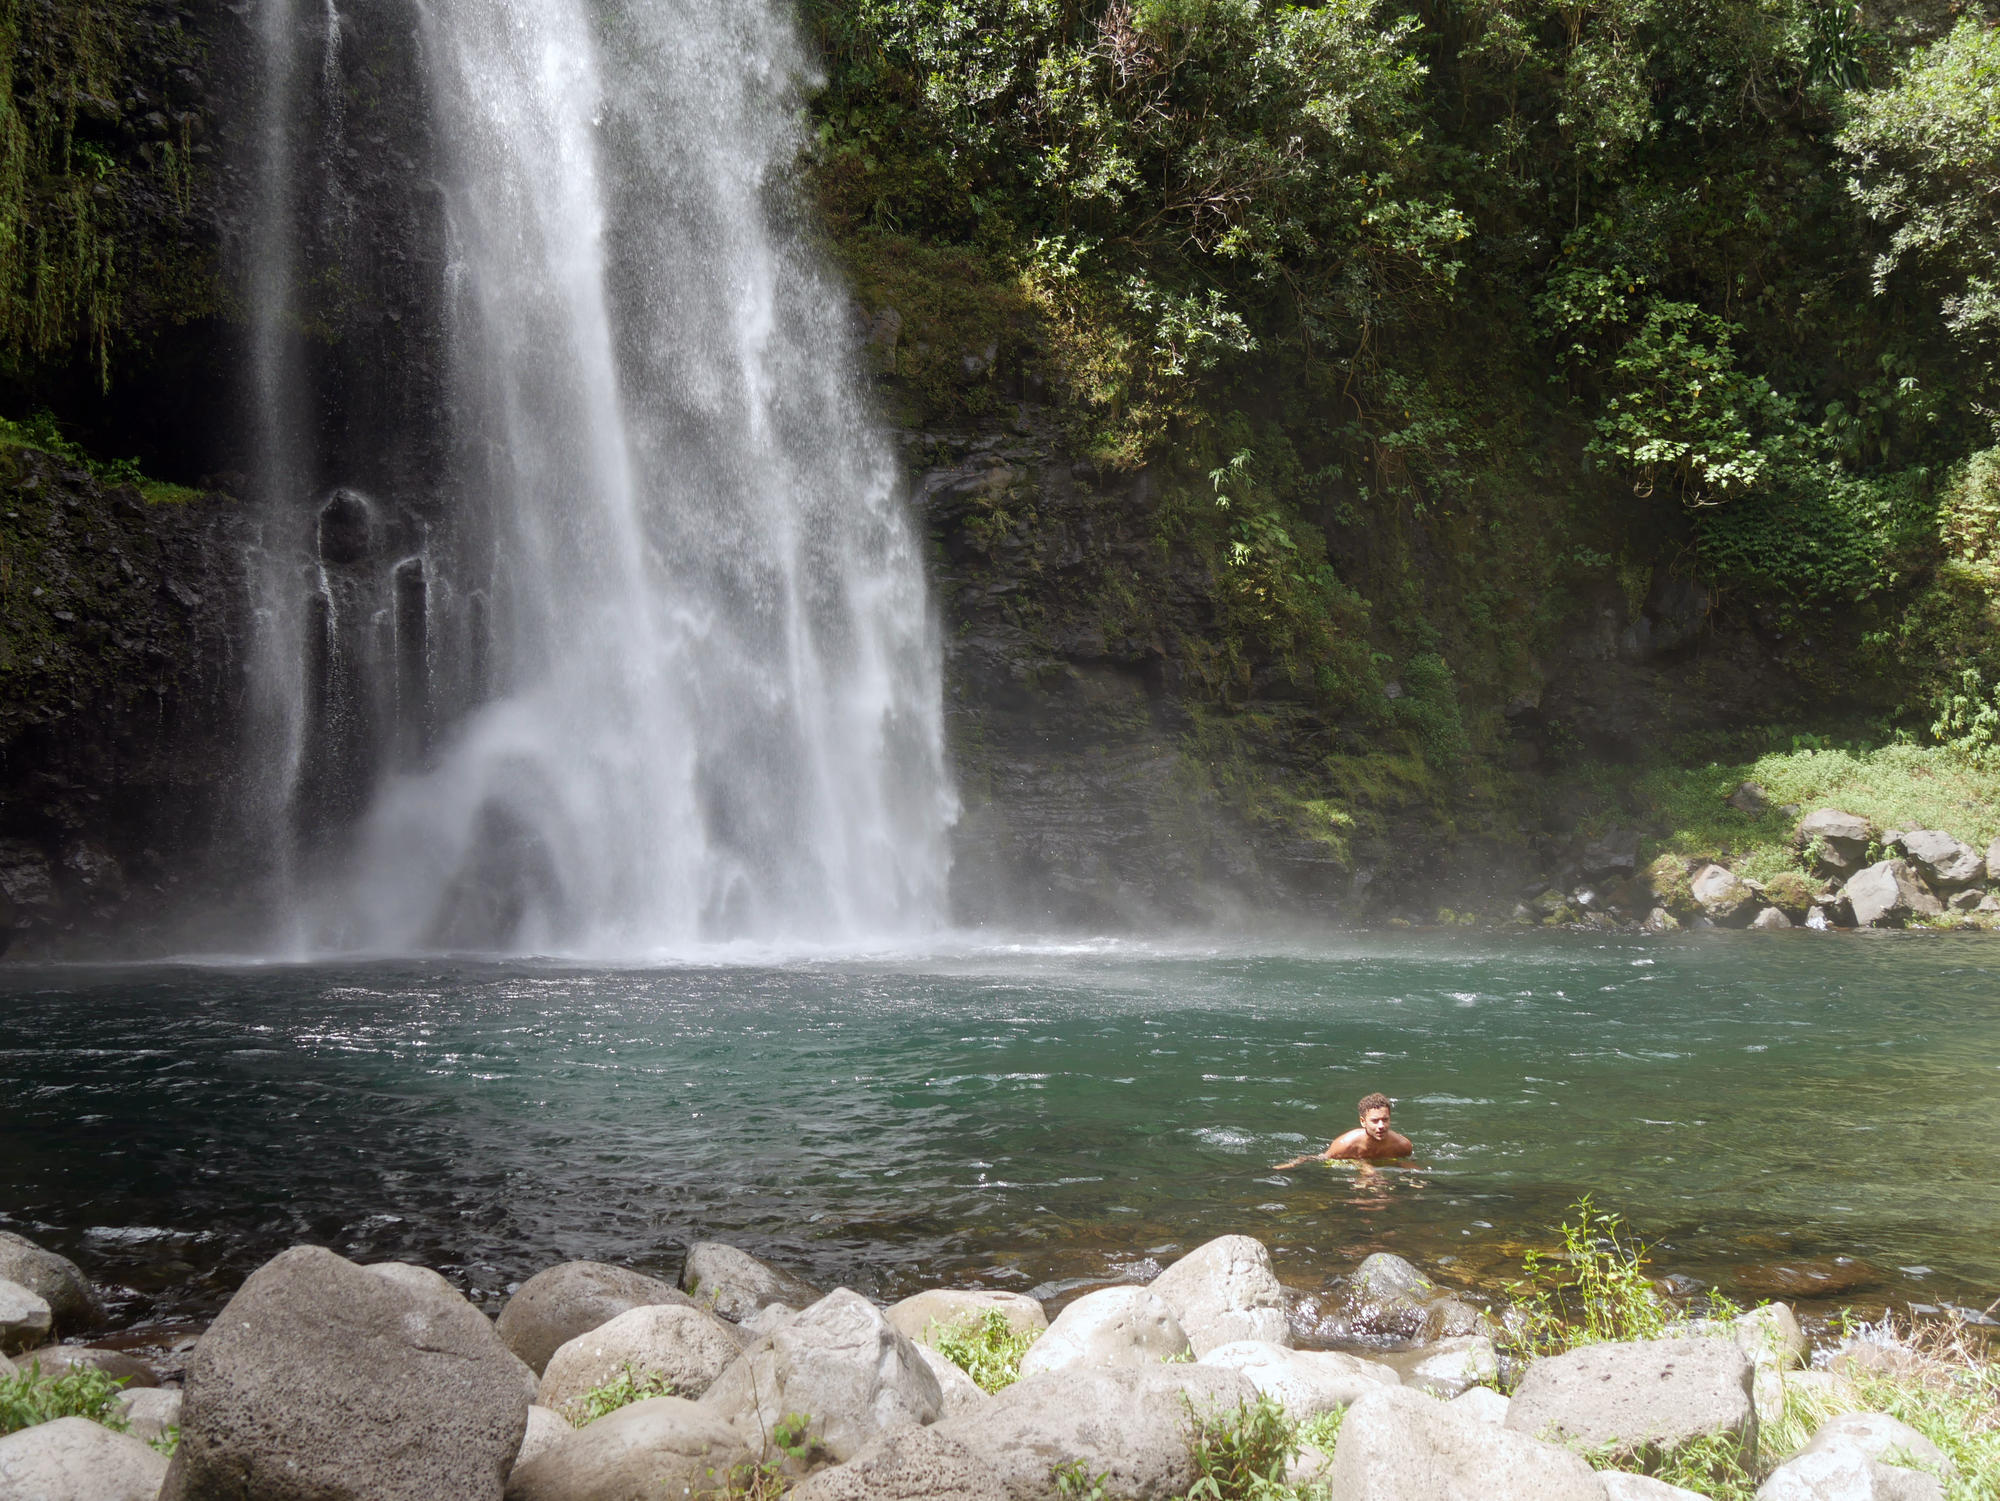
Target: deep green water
x: 1018, y: 1115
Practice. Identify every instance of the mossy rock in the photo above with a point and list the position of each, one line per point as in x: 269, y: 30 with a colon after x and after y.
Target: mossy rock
x: 1790, y: 892
x: 1666, y: 879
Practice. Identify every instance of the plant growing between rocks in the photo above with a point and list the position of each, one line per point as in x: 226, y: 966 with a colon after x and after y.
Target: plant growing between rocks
x: 987, y: 1348
x: 1595, y: 1289
x: 29, y: 1398
x: 630, y: 1385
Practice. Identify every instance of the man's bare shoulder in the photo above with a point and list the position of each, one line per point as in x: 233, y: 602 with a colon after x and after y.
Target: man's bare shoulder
x: 1351, y: 1144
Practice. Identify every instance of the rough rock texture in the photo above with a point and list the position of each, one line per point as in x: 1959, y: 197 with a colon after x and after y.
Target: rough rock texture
x: 55, y: 1360
x: 1400, y: 1445
x: 1639, y: 1397
x: 1841, y: 838
x: 736, y: 1284
x: 1727, y: 899
x: 943, y: 1306
x: 151, y: 1411
x: 1116, y: 1326
x: 554, y: 1306
x: 1844, y: 1473
x: 841, y: 1363
x: 1452, y: 1366
x: 1130, y: 1425
x: 57, y: 1280
x: 961, y: 1393
x: 923, y: 1465
x: 1887, y: 894
x: 1885, y: 1440
x: 322, y: 1380
x: 1483, y: 1403
x: 1387, y: 1296
x: 25, y: 1318
x: 546, y: 1429
x: 1771, y: 1337
x: 1945, y: 863
x: 1771, y: 920
x: 74, y: 1459
x: 664, y: 1446
x: 1305, y: 1382
x: 686, y: 1347
x: 1225, y: 1291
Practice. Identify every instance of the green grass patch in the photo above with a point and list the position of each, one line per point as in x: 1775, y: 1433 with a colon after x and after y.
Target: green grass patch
x: 630, y: 1385
x: 987, y: 1348
x: 1951, y: 1395
x: 42, y: 433
x: 30, y: 1397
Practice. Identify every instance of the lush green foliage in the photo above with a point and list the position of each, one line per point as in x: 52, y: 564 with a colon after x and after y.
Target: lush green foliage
x: 1241, y: 1455
x: 630, y: 1385
x: 986, y: 1348
x: 1593, y: 1289
x: 29, y: 1397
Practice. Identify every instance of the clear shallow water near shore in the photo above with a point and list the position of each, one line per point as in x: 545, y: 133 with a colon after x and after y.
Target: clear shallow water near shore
x: 1016, y: 1115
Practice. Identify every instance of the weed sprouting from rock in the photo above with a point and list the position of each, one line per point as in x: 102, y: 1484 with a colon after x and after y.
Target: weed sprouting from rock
x: 81, y: 1392
x: 987, y: 1348
x: 630, y: 1385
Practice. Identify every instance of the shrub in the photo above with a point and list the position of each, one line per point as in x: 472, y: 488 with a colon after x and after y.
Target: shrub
x: 987, y: 1348
x: 1593, y: 1290
x: 1240, y: 1455
x: 628, y: 1386
x: 83, y: 1392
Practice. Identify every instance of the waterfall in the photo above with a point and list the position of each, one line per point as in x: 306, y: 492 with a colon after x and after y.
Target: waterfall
x: 648, y: 662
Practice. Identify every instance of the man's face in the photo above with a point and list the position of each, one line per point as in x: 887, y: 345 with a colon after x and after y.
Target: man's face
x: 1376, y: 1122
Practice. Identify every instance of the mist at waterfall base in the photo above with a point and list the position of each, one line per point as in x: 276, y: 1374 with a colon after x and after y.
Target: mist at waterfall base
x: 632, y: 653
x: 1017, y: 1116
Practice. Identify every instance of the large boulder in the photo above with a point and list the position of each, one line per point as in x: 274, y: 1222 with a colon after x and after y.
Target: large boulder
x: 947, y: 1308
x: 1945, y: 863
x: 1388, y: 1297
x: 1725, y: 897
x: 1839, y: 840
x: 1130, y: 1425
x: 1884, y: 1439
x: 554, y: 1306
x: 56, y: 1279
x: 1225, y: 1291
x: 1113, y: 1327
x: 920, y: 1464
x: 25, y: 1318
x: 546, y: 1429
x: 1640, y: 1398
x: 736, y: 1284
x: 682, y: 1346
x: 840, y: 1363
x: 959, y: 1391
x: 323, y: 1381
x: 74, y: 1459
x: 1305, y: 1383
x: 663, y: 1446
x: 1399, y: 1445
x: 1844, y: 1473
x: 1888, y: 894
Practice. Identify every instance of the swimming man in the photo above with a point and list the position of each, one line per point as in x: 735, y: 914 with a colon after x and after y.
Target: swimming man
x: 1371, y: 1141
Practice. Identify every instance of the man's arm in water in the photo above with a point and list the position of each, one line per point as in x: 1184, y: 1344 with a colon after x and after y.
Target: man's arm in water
x: 1340, y: 1146
x: 1353, y: 1147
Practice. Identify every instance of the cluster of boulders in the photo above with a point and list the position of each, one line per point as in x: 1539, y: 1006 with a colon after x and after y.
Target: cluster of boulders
x: 1861, y: 876
x: 323, y: 1380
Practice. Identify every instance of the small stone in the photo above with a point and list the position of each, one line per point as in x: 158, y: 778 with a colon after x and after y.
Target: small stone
x: 1844, y: 1473
x: 546, y: 1429
x: 57, y: 1280
x: 1400, y: 1445
x: 1749, y: 798
x: 1305, y: 1383
x: 1771, y: 920
x: 59, y: 1360
x: 1724, y: 897
x: 1888, y: 894
x: 1840, y: 839
x: 150, y: 1411
x: 663, y: 1446
x: 1660, y: 920
x: 922, y: 1465
x: 961, y: 1392
x: 1453, y: 1366
x: 1482, y: 1403
x: 1967, y: 900
x: 1619, y: 1486
x: 1944, y: 862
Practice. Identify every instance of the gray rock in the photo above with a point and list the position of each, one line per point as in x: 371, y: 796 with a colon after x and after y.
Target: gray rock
x: 943, y: 1307
x: 1968, y: 900
x: 1771, y: 1337
x: 1844, y: 1473
x: 59, y: 1360
x: 771, y: 1317
x: 1885, y: 1440
x: 663, y: 1446
x: 546, y: 1429
x: 56, y: 1279
x: 1888, y: 894
x: 1724, y: 897
x: 683, y: 1346
x: 736, y: 1284
x: 1619, y: 1486
x: 1749, y: 797
x: 74, y: 1459
x: 961, y: 1392
x: 1113, y: 1327
x: 1660, y: 920
x: 841, y: 1363
x: 1225, y: 1291
x: 1400, y: 1445
x: 920, y: 1464
x: 1842, y: 839
x: 1305, y: 1382
x: 1945, y: 863
x: 1129, y: 1425
x: 1482, y: 1403
x: 1387, y: 1296
x: 150, y: 1411
x: 25, y: 1318
x: 1640, y: 1398
x: 554, y: 1306
x: 1454, y: 1365
x: 1771, y: 919
x: 323, y: 1381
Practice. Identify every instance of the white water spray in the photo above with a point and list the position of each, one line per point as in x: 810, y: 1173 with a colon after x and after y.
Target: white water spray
x: 682, y: 600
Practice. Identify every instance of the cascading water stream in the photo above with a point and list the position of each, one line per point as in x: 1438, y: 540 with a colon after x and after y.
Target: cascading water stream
x: 657, y: 668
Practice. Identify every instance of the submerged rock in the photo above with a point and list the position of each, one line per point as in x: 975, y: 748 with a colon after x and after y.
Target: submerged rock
x: 1225, y: 1291
x: 1388, y: 1297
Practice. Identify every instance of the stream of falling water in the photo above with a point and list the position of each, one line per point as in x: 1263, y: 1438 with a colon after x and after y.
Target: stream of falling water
x: 680, y: 601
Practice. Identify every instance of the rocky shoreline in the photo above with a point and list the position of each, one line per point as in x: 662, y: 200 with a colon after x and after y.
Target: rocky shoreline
x: 324, y: 1380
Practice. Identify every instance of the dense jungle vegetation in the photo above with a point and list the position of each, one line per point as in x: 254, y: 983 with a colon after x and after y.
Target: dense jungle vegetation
x: 1434, y: 316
